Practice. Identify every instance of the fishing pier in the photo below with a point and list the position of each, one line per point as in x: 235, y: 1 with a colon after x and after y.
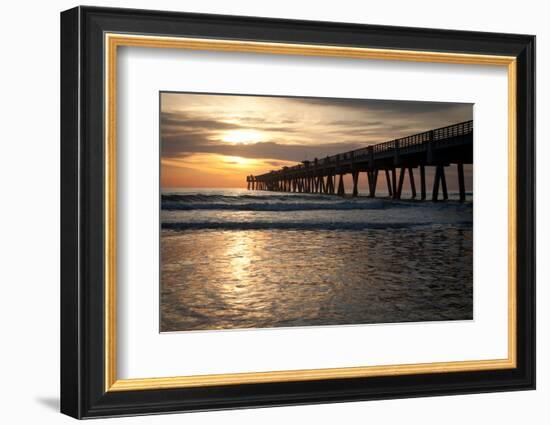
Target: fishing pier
x: 396, y: 159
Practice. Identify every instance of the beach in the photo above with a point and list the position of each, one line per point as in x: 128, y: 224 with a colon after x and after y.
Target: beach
x: 234, y: 259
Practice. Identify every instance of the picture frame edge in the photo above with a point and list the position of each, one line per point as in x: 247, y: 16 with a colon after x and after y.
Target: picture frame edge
x: 82, y: 392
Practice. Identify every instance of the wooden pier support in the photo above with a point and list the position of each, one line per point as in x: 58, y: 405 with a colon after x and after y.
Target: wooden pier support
x: 411, y: 179
x: 334, y: 182
x: 422, y: 182
x: 355, y: 178
x: 372, y: 177
x: 394, y: 182
x: 440, y: 178
x: 400, y: 186
x: 435, y: 191
x: 388, y: 180
x: 330, y: 184
x: 444, y: 183
x: 341, y: 189
x: 461, y: 187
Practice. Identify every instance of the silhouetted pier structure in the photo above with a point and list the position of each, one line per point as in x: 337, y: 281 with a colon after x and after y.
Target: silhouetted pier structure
x: 438, y: 148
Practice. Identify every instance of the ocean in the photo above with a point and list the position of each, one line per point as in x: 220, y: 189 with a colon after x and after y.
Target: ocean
x: 233, y: 259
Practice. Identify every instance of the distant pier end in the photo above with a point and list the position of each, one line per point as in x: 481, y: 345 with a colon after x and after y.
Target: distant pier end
x: 439, y: 148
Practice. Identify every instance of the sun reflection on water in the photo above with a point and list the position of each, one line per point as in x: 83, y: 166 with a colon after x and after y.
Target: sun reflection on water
x: 253, y: 279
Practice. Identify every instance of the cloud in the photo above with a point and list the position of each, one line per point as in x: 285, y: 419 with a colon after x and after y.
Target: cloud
x: 254, y: 120
x: 275, y: 163
x: 384, y: 106
x: 185, y: 120
x: 282, y: 129
x: 355, y: 123
x: 294, y: 129
x: 177, y: 147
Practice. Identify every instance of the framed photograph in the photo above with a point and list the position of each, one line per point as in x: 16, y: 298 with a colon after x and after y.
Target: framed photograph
x: 261, y: 212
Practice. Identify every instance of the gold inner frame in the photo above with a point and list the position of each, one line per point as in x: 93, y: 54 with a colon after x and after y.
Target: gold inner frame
x: 113, y: 41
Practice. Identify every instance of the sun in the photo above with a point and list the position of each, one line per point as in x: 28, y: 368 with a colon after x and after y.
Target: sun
x: 238, y: 161
x: 242, y: 136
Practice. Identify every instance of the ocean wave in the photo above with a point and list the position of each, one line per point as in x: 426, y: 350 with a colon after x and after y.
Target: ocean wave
x: 276, y: 203
x: 180, y: 226
x: 246, y: 198
x: 273, y: 206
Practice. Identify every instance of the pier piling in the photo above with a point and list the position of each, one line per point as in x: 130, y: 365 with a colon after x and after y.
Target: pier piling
x: 400, y: 185
x: 355, y: 178
x: 390, y: 191
x: 461, y: 188
x: 413, y: 187
x: 422, y: 183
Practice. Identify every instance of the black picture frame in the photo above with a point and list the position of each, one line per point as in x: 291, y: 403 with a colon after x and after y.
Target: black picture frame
x: 83, y: 392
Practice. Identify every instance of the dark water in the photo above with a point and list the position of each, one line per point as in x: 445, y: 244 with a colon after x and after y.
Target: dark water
x: 244, y: 259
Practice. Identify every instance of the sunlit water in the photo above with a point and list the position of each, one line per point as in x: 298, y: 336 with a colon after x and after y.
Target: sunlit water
x: 246, y: 259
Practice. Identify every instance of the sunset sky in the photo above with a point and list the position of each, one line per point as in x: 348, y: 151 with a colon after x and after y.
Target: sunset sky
x: 214, y: 141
